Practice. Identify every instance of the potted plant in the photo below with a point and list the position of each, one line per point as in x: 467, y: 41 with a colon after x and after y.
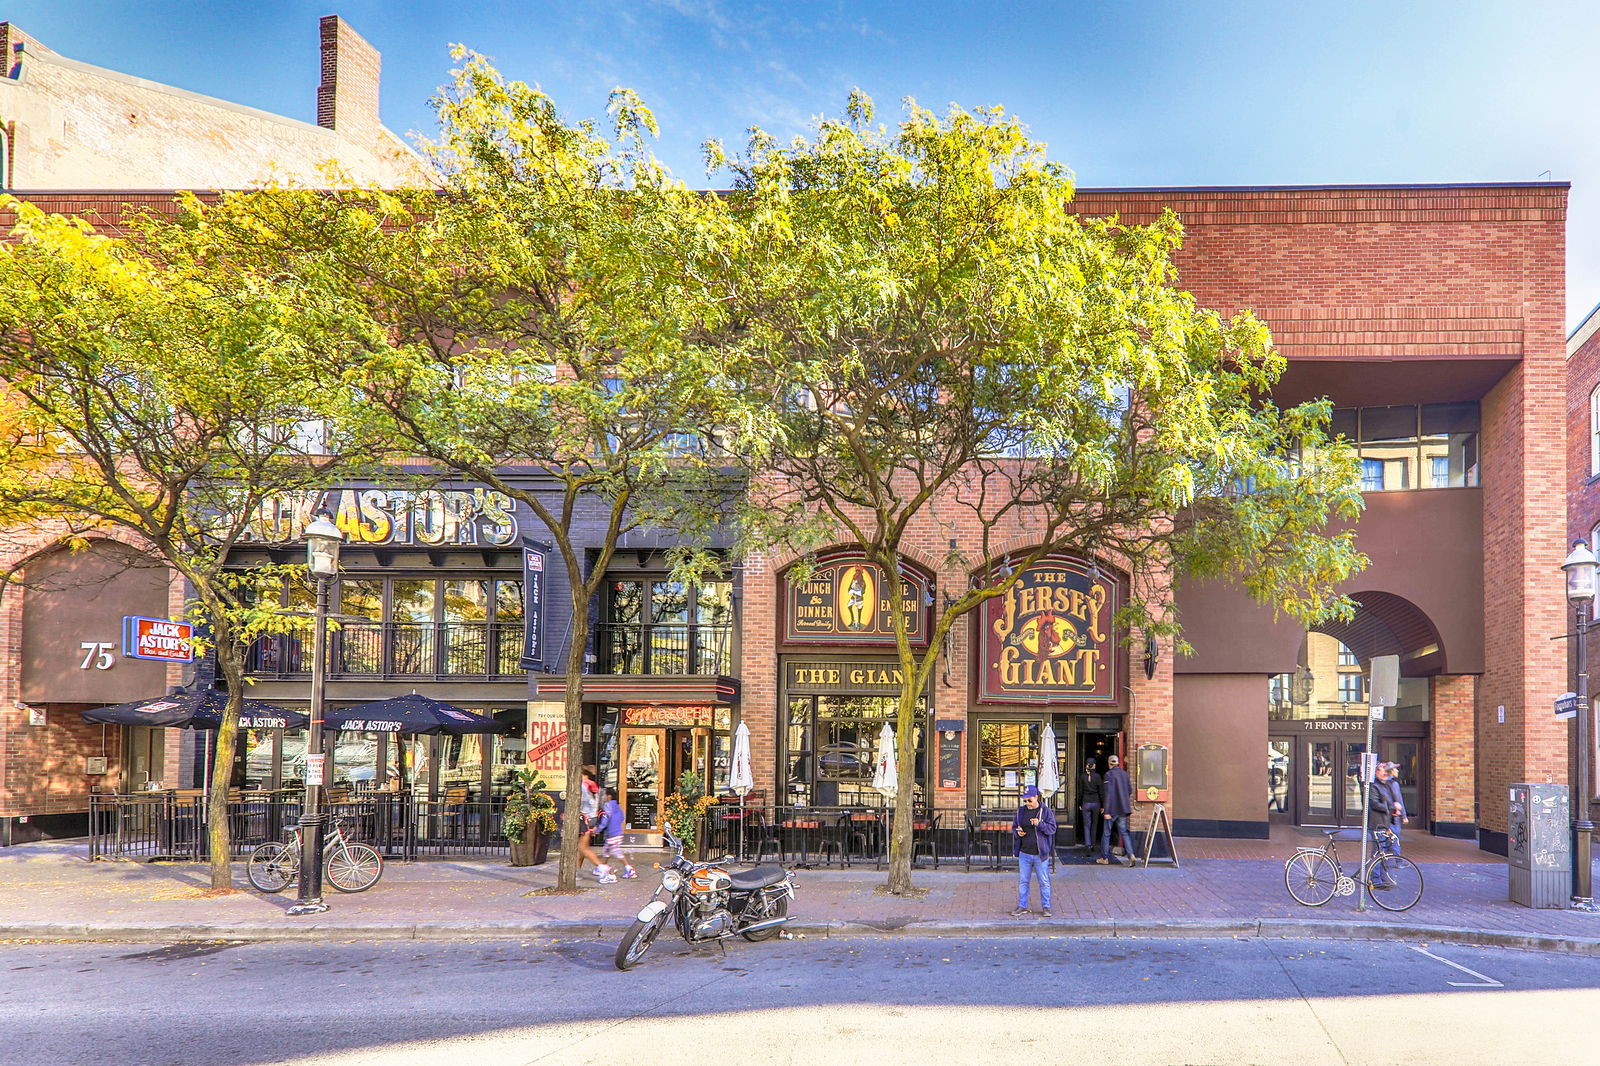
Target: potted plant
x: 685, y: 809
x: 529, y: 819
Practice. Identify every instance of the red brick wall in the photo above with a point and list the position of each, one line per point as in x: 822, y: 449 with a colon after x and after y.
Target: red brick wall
x: 1452, y: 771
x: 347, y: 99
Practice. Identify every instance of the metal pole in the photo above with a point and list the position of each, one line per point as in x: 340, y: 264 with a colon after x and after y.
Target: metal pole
x: 1366, y: 802
x: 312, y: 819
x: 1582, y: 825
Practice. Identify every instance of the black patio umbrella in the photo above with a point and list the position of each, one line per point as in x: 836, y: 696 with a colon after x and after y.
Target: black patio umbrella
x: 196, y: 710
x: 415, y: 714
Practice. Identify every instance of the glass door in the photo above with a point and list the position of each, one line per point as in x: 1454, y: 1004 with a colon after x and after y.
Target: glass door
x: 1280, y: 773
x: 1406, y: 753
x: 1317, y: 777
x: 641, y: 779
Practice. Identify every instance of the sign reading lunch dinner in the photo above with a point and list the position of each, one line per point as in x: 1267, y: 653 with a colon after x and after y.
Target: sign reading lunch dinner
x: 1049, y: 639
x: 846, y: 601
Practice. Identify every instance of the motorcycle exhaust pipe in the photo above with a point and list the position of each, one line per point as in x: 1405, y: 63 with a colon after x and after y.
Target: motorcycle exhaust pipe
x: 770, y: 923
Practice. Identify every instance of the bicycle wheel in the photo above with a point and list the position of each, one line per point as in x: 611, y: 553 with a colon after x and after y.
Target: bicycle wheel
x: 1395, y: 882
x: 273, y: 867
x: 354, y: 868
x: 1311, y: 878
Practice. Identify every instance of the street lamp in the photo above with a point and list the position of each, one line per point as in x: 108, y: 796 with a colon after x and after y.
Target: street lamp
x: 323, y: 539
x: 1581, y: 568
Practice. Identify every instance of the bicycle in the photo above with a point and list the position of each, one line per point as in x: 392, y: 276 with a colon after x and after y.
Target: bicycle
x: 1313, y: 876
x: 348, y: 867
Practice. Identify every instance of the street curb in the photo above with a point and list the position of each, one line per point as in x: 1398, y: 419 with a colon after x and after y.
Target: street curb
x: 1271, y: 928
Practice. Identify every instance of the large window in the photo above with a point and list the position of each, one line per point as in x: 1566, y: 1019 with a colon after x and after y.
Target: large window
x: 659, y: 626
x: 1407, y: 446
x: 832, y: 746
x: 406, y: 626
x: 1594, y: 432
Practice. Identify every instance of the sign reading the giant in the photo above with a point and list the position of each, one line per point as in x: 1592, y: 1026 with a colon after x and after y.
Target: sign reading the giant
x: 433, y: 518
x: 843, y: 678
x: 1049, y: 638
x: 846, y: 601
x: 157, y: 638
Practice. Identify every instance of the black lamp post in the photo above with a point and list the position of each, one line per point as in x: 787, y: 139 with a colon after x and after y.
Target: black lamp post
x: 322, y: 559
x: 1581, y: 567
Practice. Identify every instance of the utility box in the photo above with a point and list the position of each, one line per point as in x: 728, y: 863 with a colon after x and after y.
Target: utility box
x: 1539, y: 846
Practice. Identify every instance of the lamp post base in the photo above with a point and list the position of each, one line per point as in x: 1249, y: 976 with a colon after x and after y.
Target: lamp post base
x: 316, y: 906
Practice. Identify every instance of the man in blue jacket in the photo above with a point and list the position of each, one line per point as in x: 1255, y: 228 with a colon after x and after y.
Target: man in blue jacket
x: 1034, y: 845
x: 1117, y: 795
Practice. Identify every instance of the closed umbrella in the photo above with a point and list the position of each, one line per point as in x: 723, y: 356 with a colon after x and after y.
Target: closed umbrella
x: 1049, y: 772
x: 886, y: 776
x: 741, y: 778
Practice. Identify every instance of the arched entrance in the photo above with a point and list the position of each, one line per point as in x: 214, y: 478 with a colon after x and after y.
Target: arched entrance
x: 1317, y: 716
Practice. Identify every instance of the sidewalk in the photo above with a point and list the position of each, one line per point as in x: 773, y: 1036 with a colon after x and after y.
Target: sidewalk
x: 1223, y: 888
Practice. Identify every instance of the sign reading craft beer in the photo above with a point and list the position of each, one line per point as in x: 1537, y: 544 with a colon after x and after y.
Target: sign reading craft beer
x: 1049, y: 639
x: 846, y: 601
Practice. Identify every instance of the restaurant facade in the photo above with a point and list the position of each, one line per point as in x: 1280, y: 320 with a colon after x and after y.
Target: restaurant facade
x: 1429, y: 315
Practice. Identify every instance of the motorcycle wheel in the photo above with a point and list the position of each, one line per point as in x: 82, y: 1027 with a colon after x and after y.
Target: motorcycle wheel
x: 780, y: 909
x: 637, y: 940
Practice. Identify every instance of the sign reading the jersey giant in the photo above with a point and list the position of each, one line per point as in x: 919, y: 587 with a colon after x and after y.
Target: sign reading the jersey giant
x: 1049, y: 639
x: 846, y: 601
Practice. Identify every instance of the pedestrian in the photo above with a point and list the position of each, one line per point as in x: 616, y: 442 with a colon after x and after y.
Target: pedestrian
x: 1389, y: 782
x: 1380, y: 815
x: 1034, y: 845
x: 589, y: 815
x: 611, y: 831
x: 1089, y: 784
x: 1116, y: 806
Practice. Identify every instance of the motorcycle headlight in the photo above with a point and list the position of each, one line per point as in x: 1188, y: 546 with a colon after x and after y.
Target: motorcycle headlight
x: 670, y: 880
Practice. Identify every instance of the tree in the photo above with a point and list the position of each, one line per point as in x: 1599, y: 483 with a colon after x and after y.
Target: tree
x: 943, y: 332
x: 545, y: 311
x: 151, y: 389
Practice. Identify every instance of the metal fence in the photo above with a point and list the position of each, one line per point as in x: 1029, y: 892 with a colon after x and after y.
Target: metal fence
x: 398, y: 649
x: 173, y: 827
x: 857, y: 836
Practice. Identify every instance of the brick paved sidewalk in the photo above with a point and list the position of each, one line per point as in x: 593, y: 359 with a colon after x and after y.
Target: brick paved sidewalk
x: 49, y: 890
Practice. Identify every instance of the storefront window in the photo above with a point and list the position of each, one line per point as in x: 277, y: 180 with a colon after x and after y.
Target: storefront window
x: 666, y: 627
x: 258, y: 748
x: 832, y: 746
x: 1410, y: 446
x: 1007, y: 756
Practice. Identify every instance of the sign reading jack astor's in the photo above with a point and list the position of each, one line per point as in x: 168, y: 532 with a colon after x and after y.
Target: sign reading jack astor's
x: 1049, y: 638
x: 846, y: 601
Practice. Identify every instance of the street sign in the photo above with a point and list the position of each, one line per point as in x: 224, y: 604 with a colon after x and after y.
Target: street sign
x: 1377, y: 712
x: 1567, y: 705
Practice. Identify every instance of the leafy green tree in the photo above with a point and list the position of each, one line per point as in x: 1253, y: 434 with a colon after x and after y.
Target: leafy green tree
x: 953, y: 347
x: 547, y: 312
x: 152, y: 388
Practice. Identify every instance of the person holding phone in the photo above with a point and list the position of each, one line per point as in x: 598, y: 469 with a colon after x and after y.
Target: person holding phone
x: 1034, y: 844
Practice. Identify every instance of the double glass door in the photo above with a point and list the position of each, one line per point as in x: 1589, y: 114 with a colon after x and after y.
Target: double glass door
x: 1329, y: 779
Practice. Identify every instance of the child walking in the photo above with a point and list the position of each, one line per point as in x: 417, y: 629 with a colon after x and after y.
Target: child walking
x: 611, y: 832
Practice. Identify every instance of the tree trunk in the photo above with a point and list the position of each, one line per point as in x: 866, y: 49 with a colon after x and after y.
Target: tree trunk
x: 905, y: 753
x: 218, y: 839
x: 567, y: 869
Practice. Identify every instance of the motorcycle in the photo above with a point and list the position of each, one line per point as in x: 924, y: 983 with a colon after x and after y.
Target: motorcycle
x: 707, y: 903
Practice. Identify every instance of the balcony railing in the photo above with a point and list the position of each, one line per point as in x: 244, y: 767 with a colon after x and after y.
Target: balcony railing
x: 398, y: 649
x: 664, y: 649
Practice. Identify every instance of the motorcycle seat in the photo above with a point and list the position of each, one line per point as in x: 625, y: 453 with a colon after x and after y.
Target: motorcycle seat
x: 760, y: 877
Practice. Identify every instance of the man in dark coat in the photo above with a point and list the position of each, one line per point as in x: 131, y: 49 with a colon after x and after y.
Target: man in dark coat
x: 1033, y: 842
x: 1089, y: 805
x: 1117, y: 795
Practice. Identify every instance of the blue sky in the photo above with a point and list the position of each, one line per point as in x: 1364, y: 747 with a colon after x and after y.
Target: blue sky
x: 1125, y: 93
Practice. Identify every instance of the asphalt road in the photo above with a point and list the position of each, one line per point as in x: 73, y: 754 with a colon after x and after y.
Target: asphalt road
x: 879, y: 1000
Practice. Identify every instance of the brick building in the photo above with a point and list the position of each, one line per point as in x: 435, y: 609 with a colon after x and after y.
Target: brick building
x: 83, y: 140
x: 1431, y: 315
x: 1583, y: 464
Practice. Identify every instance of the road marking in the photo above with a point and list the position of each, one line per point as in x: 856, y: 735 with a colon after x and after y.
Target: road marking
x: 1481, y: 982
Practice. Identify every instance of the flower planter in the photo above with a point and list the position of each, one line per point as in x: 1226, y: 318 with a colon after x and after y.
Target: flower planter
x: 531, y: 849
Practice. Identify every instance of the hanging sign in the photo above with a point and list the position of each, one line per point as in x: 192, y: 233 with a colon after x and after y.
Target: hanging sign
x: 157, y: 638
x: 1049, y: 638
x: 532, y: 606
x: 846, y: 601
